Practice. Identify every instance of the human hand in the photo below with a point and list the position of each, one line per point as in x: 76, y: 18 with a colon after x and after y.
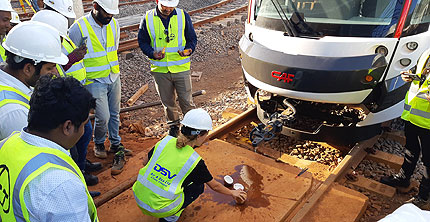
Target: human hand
x: 239, y: 196
x: 159, y: 55
x: 186, y: 52
x: 80, y: 52
x: 405, y: 77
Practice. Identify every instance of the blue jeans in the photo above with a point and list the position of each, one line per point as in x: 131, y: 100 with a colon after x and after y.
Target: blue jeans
x: 108, y: 98
x: 82, y: 144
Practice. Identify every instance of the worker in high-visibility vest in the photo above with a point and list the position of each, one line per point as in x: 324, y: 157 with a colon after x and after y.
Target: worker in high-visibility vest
x: 39, y: 180
x: 101, y: 31
x: 167, y: 37
x: 5, y: 17
x: 416, y: 114
x: 33, y: 49
x: 175, y: 175
x: 76, y: 70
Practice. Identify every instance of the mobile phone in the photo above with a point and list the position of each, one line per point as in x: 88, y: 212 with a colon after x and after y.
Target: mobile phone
x: 83, y: 41
x: 413, y: 76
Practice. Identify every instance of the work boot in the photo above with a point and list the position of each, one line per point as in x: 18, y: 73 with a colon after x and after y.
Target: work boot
x: 99, y: 151
x: 94, y: 193
x: 91, y: 180
x: 118, y: 163
x: 174, y: 130
x: 398, y: 181
x: 119, y: 147
x: 419, y: 202
x: 91, y: 167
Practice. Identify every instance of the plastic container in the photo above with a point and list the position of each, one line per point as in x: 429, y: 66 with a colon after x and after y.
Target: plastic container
x: 238, y: 186
x: 228, y: 181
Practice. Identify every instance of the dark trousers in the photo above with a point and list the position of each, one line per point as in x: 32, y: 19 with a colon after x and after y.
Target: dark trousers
x: 79, y: 151
x: 417, y: 142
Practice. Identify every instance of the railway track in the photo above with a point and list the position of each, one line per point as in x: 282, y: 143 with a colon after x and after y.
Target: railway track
x: 302, y: 209
x: 199, y: 17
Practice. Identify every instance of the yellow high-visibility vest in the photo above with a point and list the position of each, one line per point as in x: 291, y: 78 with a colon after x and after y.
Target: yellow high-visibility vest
x: 11, y: 95
x: 21, y: 163
x: 100, y: 62
x: 77, y: 70
x: 173, y: 42
x: 158, y: 190
x: 417, y: 107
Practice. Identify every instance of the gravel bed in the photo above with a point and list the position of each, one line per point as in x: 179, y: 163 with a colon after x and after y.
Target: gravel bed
x: 187, y: 5
x: 213, y: 41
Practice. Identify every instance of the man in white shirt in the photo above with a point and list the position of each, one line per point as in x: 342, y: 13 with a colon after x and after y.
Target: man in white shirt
x: 32, y: 50
x: 41, y: 181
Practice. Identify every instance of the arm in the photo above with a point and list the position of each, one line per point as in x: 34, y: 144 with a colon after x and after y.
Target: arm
x: 238, y: 195
x: 144, y: 39
x: 190, y: 34
x: 75, y: 34
x: 118, y: 34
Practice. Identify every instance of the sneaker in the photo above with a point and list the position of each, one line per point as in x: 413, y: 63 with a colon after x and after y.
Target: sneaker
x: 420, y: 202
x: 174, y: 130
x: 99, y: 151
x: 119, y: 147
x: 400, y: 183
x: 92, y: 166
x: 118, y: 163
x: 91, y: 180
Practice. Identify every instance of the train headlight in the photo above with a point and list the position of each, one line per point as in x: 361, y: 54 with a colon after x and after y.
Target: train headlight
x: 405, y: 62
x: 412, y: 45
x: 382, y: 50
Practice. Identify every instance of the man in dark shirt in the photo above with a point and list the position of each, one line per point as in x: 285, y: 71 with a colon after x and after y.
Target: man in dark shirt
x: 167, y: 37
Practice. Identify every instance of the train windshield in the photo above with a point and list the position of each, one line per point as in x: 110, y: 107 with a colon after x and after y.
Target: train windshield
x: 348, y: 18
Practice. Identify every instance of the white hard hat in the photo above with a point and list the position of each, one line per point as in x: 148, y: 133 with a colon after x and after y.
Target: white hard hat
x: 64, y: 7
x: 15, y: 18
x: 53, y: 19
x: 169, y: 3
x: 36, y: 41
x: 6, y: 6
x: 110, y: 6
x: 197, y: 119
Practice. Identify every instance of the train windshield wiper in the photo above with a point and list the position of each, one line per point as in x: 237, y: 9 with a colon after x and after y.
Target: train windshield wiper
x: 299, y: 23
x: 289, y: 27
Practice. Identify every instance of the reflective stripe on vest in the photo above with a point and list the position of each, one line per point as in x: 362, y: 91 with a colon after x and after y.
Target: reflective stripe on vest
x: 417, y: 107
x: 172, y: 62
x: 77, y: 70
x: 100, y: 62
x: 32, y: 161
x: 169, y: 207
x: 2, y: 54
x: 11, y: 95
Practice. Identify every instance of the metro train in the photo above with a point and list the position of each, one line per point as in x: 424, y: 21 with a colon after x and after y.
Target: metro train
x: 329, y: 70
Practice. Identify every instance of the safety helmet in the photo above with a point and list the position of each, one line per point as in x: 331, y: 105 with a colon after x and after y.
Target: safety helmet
x: 6, y: 6
x: 64, y: 7
x: 197, y: 119
x: 36, y: 41
x: 169, y: 3
x: 110, y: 6
x: 15, y: 18
x: 54, y: 19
